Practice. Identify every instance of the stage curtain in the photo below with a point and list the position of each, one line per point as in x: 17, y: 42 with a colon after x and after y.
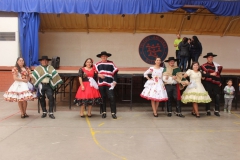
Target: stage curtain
x: 218, y: 7
x: 28, y: 35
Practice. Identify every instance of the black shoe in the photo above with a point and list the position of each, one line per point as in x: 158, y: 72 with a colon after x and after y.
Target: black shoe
x: 208, y: 113
x: 114, y: 116
x: 51, y: 116
x: 22, y: 116
x: 82, y: 116
x: 169, y: 114
x: 155, y: 115
x: 194, y: 114
x: 104, y: 115
x: 180, y: 115
x: 44, y: 115
x: 89, y: 115
x: 197, y: 116
x: 217, y: 114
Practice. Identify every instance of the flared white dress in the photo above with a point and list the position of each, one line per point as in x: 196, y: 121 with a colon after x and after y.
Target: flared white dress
x: 154, y: 89
x: 195, y: 92
x: 20, y: 91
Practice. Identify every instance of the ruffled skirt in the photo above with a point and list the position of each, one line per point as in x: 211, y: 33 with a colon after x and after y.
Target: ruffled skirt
x: 154, y: 90
x: 196, y: 94
x: 19, y: 91
x: 88, y: 96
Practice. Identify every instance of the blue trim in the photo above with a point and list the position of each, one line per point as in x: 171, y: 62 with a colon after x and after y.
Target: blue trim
x: 218, y: 7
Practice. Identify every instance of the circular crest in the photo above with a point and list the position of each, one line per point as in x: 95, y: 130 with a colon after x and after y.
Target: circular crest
x: 151, y: 47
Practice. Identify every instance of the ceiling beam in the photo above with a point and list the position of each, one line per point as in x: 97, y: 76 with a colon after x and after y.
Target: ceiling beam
x: 229, y: 24
x: 180, y: 28
x: 135, y: 23
x: 193, y: 6
x: 86, y: 16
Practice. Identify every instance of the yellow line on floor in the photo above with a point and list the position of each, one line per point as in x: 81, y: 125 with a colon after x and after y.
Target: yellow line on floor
x: 235, y: 114
x: 100, y: 124
x: 98, y: 144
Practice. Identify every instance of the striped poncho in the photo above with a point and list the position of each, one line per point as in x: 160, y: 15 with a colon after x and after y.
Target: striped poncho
x: 109, y: 70
x: 41, y: 72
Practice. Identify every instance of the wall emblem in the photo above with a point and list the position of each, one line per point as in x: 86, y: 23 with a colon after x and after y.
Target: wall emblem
x: 151, y: 47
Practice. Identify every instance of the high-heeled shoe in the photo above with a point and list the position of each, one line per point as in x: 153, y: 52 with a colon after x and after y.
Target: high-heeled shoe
x: 26, y: 115
x: 194, y: 114
x: 89, y: 115
x: 22, y: 116
x: 82, y: 116
x: 155, y: 115
x: 197, y: 116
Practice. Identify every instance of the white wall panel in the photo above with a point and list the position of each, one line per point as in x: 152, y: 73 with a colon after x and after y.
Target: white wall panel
x: 74, y: 47
x: 9, y: 50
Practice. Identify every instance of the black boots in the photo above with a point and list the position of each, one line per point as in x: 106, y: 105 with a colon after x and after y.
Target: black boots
x: 45, y: 115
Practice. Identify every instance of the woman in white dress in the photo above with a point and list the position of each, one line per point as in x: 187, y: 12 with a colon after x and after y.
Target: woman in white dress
x: 19, y: 90
x: 195, y: 92
x: 154, y: 87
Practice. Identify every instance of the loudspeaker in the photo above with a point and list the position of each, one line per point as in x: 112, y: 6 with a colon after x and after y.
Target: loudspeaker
x: 56, y: 62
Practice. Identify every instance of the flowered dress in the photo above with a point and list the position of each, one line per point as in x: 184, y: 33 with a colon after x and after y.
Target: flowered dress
x: 90, y: 95
x: 19, y: 91
x: 154, y: 89
x: 197, y: 93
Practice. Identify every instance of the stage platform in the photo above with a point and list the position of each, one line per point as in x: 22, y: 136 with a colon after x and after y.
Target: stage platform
x: 131, y: 82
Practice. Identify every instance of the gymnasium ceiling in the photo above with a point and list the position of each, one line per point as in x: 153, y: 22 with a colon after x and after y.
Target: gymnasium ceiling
x: 202, y: 22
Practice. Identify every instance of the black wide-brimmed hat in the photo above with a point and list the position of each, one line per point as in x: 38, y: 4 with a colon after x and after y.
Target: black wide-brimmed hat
x: 209, y: 54
x: 44, y: 57
x: 170, y: 59
x: 104, y: 53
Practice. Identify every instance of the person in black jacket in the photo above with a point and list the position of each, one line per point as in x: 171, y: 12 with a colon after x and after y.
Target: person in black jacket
x: 184, y: 53
x: 196, y: 48
x: 211, y: 71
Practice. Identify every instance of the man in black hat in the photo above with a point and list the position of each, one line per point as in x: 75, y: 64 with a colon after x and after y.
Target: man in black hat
x: 174, y: 81
x: 107, y: 73
x: 46, y: 78
x: 212, y: 81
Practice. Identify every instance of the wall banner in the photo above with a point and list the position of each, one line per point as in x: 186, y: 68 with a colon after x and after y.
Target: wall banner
x: 151, y: 47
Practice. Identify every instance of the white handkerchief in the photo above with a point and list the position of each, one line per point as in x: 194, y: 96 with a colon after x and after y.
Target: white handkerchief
x: 30, y: 86
x: 93, y: 83
x: 40, y: 88
x: 112, y: 86
x: 192, y: 84
x: 216, y: 66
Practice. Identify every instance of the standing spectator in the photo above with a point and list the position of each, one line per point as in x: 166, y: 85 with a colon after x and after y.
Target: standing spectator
x: 228, y: 96
x: 107, y: 73
x: 176, y: 43
x: 154, y: 88
x: 87, y: 94
x: 19, y: 90
x: 46, y: 78
x: 196, y: 48
x: 190, y: 58
x: 184, y: 53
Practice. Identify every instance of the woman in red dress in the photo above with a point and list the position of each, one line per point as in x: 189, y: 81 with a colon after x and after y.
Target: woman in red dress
x: 87, y: 94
